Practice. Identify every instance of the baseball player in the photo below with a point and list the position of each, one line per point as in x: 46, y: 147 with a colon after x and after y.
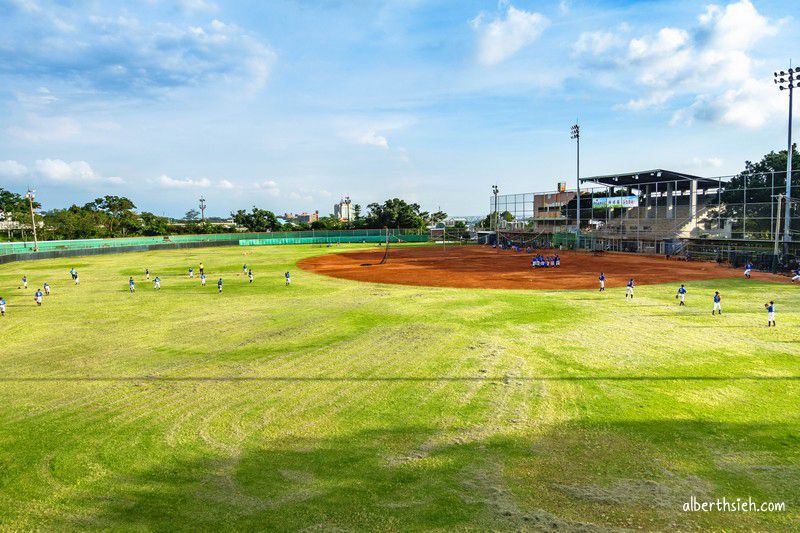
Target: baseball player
x: 288, y: 278
x: 629, y: 289
x: 157, y: 283
x: 717, y: 304
x: 38, y: 296
x: 131, y: 285
x: 602, y: 282
x: 219, y: 285
x: 681, y: 295
x: 47, y: 289
x: 747, y: 268
x: 250, y: 275
x: 796, y: 276
x: 202, y: 280
x: 25, y: 281
x: 191, y: 272
x: 2, y: 306
x: 770, y: 313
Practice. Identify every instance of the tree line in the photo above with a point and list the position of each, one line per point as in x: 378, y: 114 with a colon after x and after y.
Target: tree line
x: 117, y: 216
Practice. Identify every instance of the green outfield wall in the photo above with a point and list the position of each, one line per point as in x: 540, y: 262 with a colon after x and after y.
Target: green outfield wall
x: 16, y: 251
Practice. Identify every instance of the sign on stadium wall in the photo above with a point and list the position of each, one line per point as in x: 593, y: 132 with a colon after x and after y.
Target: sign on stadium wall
x: 615, y: 201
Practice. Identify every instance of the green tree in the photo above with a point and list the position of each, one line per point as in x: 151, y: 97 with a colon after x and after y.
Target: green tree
x: 256, y: 220
x: 763, y: 179
x: 118, y: 212
x: 154, y: 224
x: 394, y: 213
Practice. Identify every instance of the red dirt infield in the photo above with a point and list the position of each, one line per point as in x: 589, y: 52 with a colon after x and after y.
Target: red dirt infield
x: 484, y: 267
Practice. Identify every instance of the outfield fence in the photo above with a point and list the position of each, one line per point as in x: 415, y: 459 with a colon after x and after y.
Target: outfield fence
x: 23, y: 251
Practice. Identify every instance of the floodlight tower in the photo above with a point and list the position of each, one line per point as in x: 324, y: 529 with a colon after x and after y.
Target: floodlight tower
x: 202, y: 209
x: 30, y: 196
x: 788, y: 81
x: 575, y: 133
x: 496, y: 191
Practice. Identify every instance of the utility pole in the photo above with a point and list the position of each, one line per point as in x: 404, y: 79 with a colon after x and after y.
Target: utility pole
x: 788, y: 80
x: 575, y: 133
x: 30, y: 196
x: 203, y: 209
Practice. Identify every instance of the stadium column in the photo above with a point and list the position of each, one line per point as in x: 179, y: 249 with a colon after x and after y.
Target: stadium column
x: 693, y: 203
x: 670, y: 203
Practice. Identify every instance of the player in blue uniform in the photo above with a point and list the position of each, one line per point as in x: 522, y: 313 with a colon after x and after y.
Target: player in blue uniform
x: 191, y: 272
x: 47, y: 289
x: 24, y: 281
x: 250, y: 275
x: 157, y: 283
x: 202, y: 280
x: 2, y: 306
x: 629, y: 289
x: 770, y: 313
x: 219, y: 285
x: 681, y: 295
x: 717, y: 303
x: 147, y: 273
x: 796, y: 276
x: 38, y: 296
x: 602, y: 279
x: 288, y: 278
x: 244, y: 269
x: 131, y: 284
x: 747, y: 268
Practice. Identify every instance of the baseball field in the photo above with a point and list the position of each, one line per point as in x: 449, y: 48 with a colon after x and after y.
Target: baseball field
x: 343, y: 404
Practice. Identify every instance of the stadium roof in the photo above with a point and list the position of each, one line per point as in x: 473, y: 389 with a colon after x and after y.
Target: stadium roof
x: 645, y: 177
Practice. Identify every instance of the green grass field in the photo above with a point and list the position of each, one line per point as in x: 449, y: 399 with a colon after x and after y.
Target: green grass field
x: 333, y: 404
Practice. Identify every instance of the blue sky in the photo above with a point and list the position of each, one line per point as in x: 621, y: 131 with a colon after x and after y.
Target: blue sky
x: 290, y: 105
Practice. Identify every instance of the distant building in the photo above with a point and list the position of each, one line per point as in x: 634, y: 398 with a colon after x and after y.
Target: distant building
x: 344, y: 210
x: 301, y: 218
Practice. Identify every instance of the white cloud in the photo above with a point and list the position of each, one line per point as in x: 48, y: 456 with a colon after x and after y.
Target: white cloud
x: 752, y: 105
x: 58, y: 170
x: 226, y: 184
x: 371, y: 138
x: 186, y: 183
x: 37, y: 128
x: 700, y: 162
x: 712, y: 64
x: 269, y: 186
x: 503, y: 37
x: 12, y: 169
x: 595, y: 42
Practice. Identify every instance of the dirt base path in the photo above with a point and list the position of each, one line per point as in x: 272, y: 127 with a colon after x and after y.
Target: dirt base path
x: 485, y: 267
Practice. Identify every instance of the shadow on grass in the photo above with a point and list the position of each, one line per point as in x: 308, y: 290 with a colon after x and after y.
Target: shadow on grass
x: 574, y: 477
x: 367, y: 379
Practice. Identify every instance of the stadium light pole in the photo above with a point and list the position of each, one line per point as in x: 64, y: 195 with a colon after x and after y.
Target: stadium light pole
x: 788, y: 81
x: 496, y: 191
x: 202, y: 209
x: 30, y: 196
x: 575, y: 133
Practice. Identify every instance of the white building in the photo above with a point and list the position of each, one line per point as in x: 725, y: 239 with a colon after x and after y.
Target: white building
x: 344, y: 210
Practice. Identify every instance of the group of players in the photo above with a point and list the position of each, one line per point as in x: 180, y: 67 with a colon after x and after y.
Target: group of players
x: 39, y: 294
x: 717, y: 299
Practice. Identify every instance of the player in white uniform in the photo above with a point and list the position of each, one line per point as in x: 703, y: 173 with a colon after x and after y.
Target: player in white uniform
x: 132, y: 285
x: 24, y: 282
x: 602, y: 282
x: 796, y: 276
x: 203, y: 280
x: 747, y: 268
x: 629, y: 289
x: 2, y: 306
x: 288, y: 278
x: 47, y: 289
x: 38, y: 296
x: 191, y: 272
x: 157, y: 283
x: 770, y: 313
